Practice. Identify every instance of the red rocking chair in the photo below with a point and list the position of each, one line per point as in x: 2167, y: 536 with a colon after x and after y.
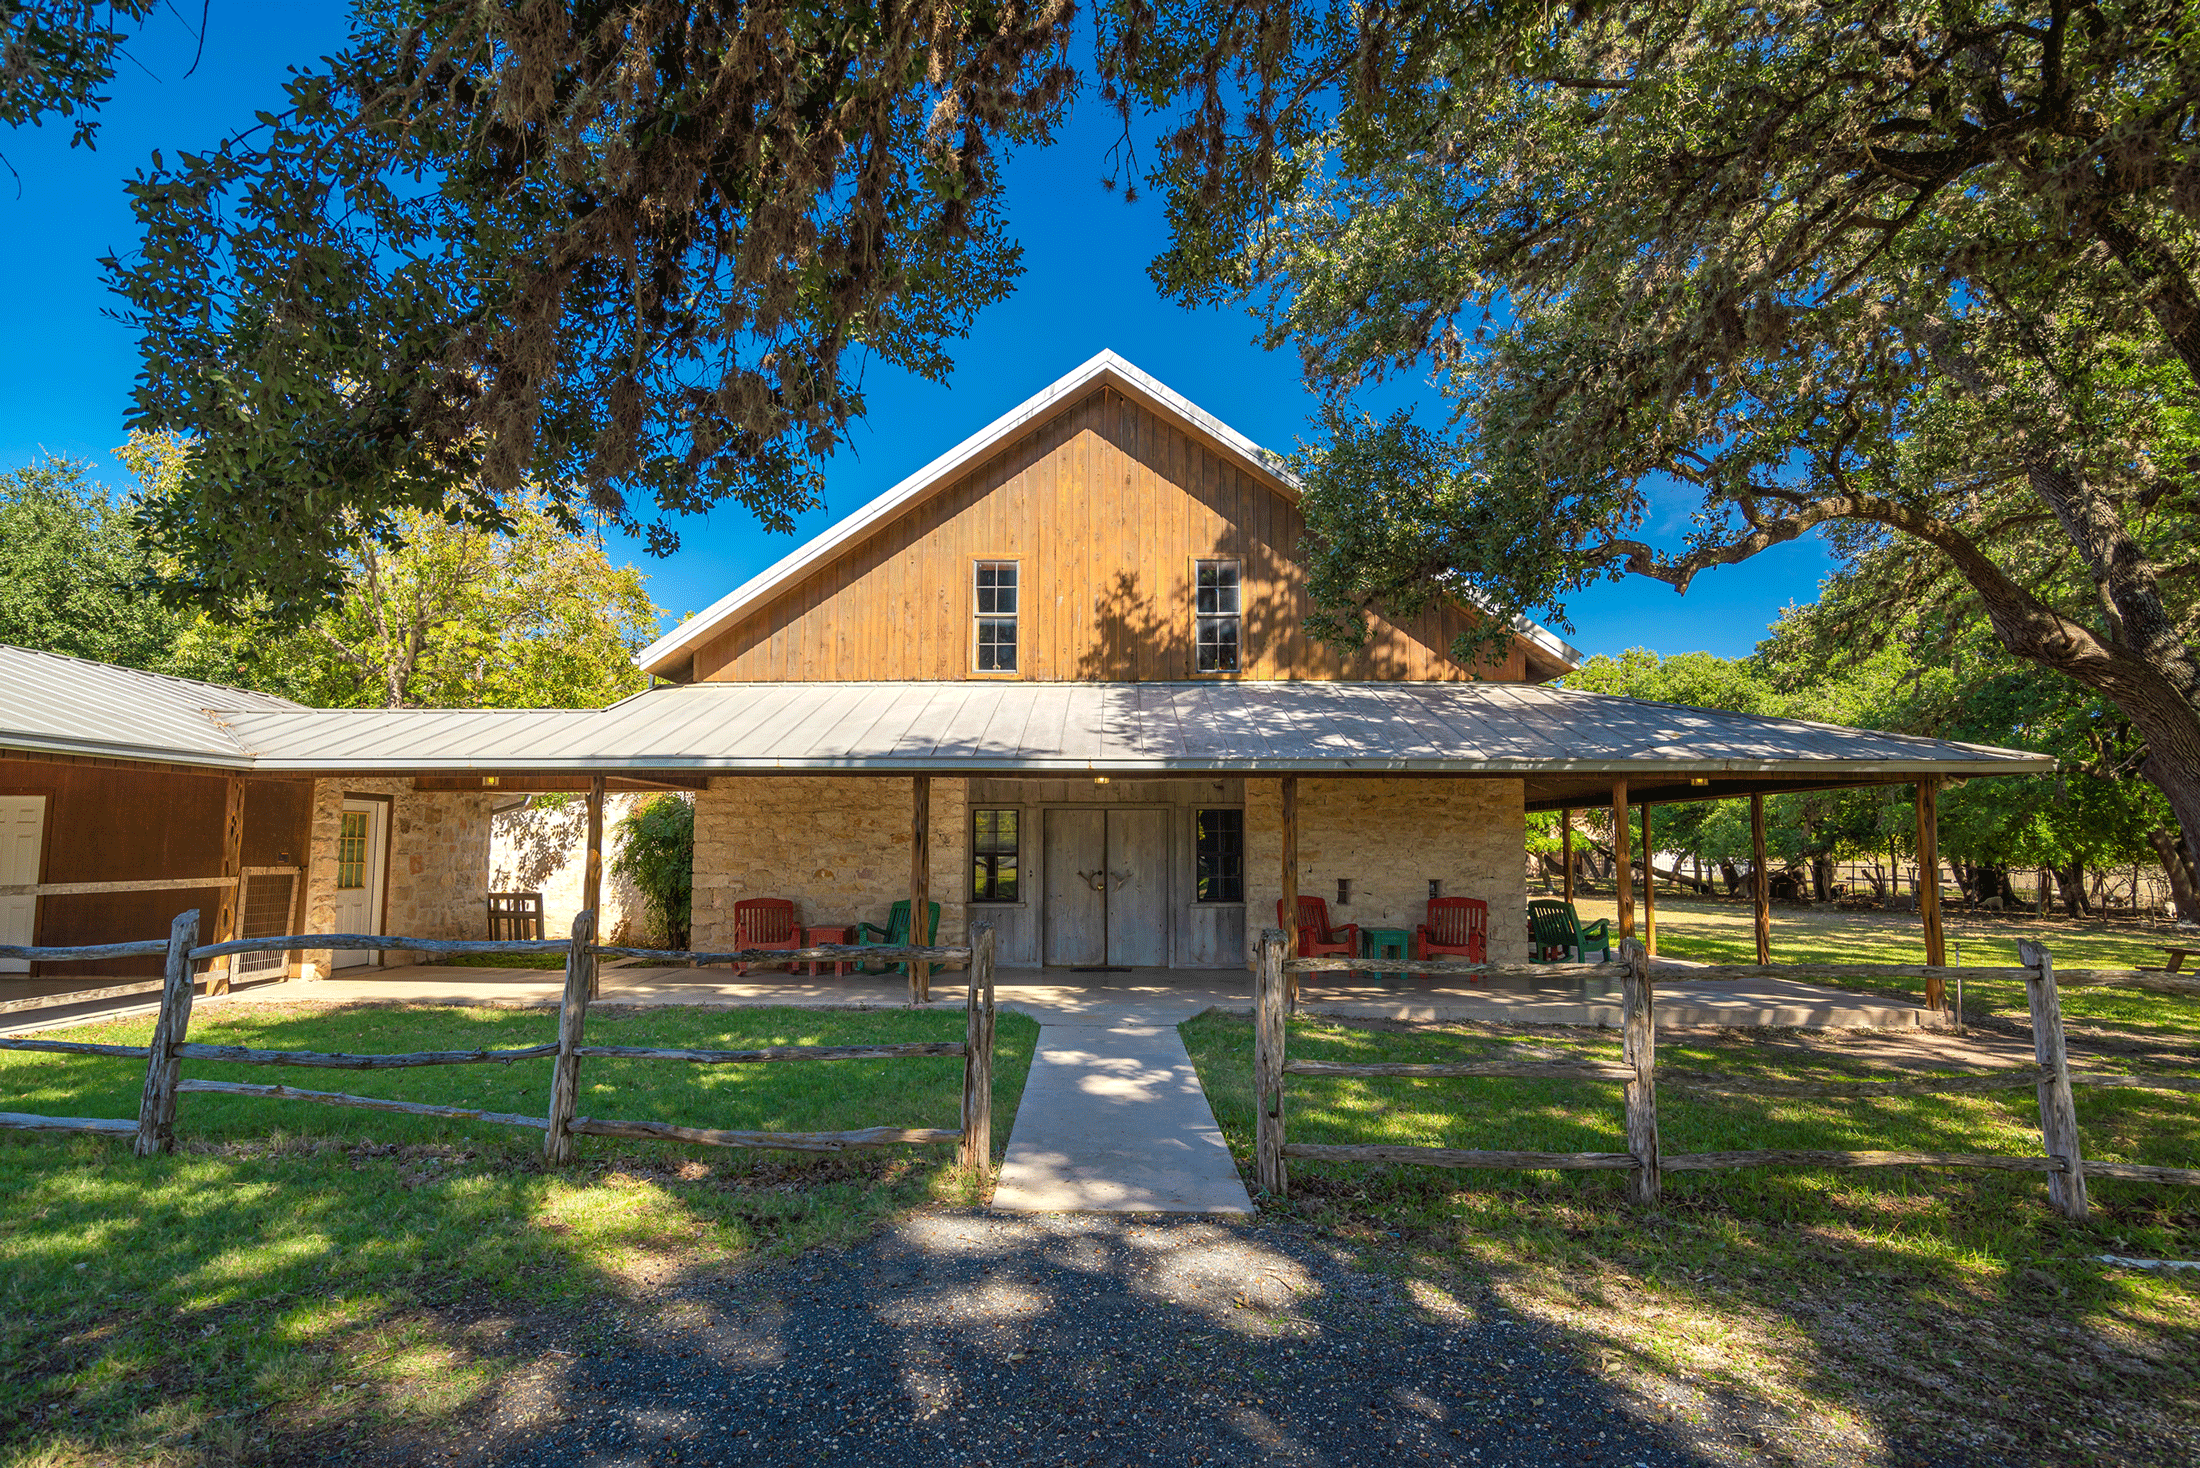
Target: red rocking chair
x: 1316, y: 938
x: 1457, y: 927
x: 764, y: 922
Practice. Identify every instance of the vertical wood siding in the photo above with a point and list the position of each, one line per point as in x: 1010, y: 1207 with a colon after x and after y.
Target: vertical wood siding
x: 1104, y: 507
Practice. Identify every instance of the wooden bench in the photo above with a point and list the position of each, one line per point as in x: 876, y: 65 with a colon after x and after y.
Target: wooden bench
x: 2176, y: 959
x: 516, y: 916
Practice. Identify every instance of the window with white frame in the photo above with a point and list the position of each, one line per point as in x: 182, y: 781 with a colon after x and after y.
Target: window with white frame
x: 1217, y: 615
x: 996, y: 603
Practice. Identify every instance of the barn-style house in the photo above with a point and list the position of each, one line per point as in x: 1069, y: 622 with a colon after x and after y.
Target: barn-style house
x: 1058, y: 677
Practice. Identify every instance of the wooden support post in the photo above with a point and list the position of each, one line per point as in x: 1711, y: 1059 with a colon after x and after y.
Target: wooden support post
x: 592, y: 872
x: 1268, y: 1056
x: 1649, y: 886
x: 1760, y: 879
x: 920, y: 886
x: 1639, y: 1042
x: 1566, y: 851
x: 977, y: 1102
x: 157, y: 1105
x: 226, y: 905
x: 1290, y: 901
x: 2058, y: 1106
x: 1623, y: 871
x: 565, y: 1071
x: 1928, y: 887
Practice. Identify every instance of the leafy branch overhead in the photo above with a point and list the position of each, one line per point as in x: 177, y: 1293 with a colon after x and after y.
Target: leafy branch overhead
x: 622, y: 251
x: 1700, y: 280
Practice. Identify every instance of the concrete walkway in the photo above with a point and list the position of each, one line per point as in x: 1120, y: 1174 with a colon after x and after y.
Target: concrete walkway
x: 1113, y: 1120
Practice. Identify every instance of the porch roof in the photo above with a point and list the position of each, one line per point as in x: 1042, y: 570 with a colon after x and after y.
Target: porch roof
x: 1568, y: 745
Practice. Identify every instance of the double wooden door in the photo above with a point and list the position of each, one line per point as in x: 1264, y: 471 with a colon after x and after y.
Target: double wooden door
x: 1107, y: 888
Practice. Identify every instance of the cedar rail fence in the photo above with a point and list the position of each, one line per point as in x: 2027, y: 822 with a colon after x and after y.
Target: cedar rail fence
x: 2051, y: 1078
x: 154, y: 1128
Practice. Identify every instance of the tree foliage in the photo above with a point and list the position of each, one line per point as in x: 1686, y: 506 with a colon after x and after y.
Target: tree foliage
x: 1918, y: 279
x: 617, y: 252
x: 56, y: 56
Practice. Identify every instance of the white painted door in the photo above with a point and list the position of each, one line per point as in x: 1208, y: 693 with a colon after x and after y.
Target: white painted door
x: 22, y: 834
x: 362, y: 842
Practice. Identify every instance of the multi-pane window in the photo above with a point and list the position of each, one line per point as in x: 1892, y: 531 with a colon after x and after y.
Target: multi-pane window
x: 1218, y: 614
x: 993, y: 849
x: 1218, y: 844
x: 996, y: 616
x: 351, y: 850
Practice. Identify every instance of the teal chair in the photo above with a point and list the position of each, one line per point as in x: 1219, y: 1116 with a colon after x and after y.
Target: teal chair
x: 896, y: 932
x: 1555, y: 934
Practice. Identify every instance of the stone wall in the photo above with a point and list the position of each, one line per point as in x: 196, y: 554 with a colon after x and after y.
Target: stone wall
x: 837, y: 846
x: 543, y: 848
x: 1388, y: 837
x: 438, y: 864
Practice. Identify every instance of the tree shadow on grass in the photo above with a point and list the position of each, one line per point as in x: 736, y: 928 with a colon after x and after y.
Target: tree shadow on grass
x: 1874, y: 1316
x: 301, y: 1273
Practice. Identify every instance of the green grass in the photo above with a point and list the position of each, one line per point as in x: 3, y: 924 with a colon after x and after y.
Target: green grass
x: 1855, y: 1309
x: 541, y: 962
x: 1724, y: 932
x: 188, y: 1308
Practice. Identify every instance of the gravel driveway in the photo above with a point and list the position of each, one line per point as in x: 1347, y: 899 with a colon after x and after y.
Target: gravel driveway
x: 968, y: 1339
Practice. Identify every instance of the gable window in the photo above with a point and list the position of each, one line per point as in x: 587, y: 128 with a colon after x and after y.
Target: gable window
x: 993, y: 849
x: 1218, y: 615
x: 1218, y: 844
x: 996, y: 616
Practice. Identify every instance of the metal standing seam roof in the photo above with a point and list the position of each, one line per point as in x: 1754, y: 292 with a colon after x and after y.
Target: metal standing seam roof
x: 1101, y: 728
x: 56, y: 704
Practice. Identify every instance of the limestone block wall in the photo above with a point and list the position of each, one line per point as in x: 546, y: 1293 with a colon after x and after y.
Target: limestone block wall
x: 1388, y: 837
x: 438, y: 864
x: 838, y: 846
x: 538, y: 847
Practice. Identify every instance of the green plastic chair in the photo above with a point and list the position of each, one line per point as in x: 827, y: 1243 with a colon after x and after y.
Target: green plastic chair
x: 896, y: 932
x: 1554, y: 927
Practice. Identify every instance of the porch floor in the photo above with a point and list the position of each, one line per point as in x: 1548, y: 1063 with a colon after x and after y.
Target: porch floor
x: 1148, y: 996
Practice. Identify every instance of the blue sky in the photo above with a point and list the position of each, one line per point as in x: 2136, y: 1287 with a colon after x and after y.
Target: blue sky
x: 66, y: 372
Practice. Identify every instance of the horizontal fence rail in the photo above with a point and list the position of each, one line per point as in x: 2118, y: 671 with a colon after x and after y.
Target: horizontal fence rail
x: 2051, y: 1079
x: 2152, y: 980
x: 154, y: 1129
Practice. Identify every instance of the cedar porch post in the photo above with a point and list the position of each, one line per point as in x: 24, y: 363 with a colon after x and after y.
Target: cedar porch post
x: 1928, y: 886
x: 920, y: 886
x: 592, y: 876
x: 1760, y: 880
x: 1649, y: 887
x: 1566, y: 849
x: 1290, y: 902
x: 1623, y: 872
x: 226, y: 906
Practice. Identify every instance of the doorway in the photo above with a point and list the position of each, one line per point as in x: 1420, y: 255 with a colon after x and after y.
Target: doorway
x: 362, y: 859
x: 1106, y: 888
x: 22, y: 836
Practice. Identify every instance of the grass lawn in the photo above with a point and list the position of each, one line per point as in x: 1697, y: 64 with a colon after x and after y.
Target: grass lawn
x: 297, y: 1271
x: 1864, y: 1314
x: 1725, y: 932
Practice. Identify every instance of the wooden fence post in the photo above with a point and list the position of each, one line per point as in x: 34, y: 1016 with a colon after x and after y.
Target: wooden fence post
x: 2058, y: 1106
x: 565, y: 1073
x: 157, y: 1106
x: 1268, y: 1050
x: 977, y: 1103
x: 1640, y: 1050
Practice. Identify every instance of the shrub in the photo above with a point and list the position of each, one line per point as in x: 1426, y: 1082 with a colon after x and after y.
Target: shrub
x: 657, y: 854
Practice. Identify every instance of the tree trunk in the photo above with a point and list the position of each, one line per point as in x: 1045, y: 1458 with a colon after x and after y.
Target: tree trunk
x: 1729, y: 875
x: 1821, y: 879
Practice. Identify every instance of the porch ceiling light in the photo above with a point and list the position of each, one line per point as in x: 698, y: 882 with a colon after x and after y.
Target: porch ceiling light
x: 1099, y: 779
x: 1699, y: 779
x: 487, y: 781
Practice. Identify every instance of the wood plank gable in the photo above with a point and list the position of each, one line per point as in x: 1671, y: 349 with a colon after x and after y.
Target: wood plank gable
x: 1105, y: 506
